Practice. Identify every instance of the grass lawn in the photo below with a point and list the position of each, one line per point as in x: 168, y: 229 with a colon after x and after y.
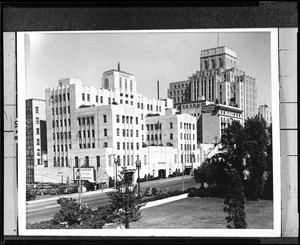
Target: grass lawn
x: 202, y: 213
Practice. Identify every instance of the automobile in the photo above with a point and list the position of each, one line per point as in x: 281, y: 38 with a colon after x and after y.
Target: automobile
x: 90, y: 186
x: 30, y: 195
x: 58, y: 190
x: 71, y: 189
x: 152, y: 191
x: 43, y: 190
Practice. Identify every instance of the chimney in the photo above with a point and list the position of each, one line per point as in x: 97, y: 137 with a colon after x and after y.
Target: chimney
x: 118, y: 66
x: 158, y: 90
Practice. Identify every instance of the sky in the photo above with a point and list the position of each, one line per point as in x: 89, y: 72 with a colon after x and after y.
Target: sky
x: 150, y: 56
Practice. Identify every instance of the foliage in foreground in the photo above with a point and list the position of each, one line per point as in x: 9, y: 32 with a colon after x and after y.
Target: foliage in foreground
x: 235, y: 202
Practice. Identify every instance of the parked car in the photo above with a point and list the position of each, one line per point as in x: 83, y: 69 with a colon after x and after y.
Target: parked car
x: 152, y: 191
x: 58, y: 190
x: 43, y: 190
x: 30, y: 195
x: 90, y: 186
x: 71, y: 189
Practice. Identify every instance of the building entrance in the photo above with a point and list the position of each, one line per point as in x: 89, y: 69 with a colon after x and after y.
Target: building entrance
x: 162, y: 173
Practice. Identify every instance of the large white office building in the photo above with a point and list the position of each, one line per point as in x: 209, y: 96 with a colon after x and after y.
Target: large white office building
x: 107, y: 129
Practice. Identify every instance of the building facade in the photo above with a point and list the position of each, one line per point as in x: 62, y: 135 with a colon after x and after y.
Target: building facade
x: 265, y: 112
x: 105, y: 128
x: 36, y: 137
x: 219, y: 81
x: 217, y: 117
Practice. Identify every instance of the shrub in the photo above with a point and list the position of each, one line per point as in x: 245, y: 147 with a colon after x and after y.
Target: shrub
x: 235, y: 202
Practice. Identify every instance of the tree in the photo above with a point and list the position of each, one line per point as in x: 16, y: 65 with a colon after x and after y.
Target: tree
x: 235, y: 201
x: 115, y: 210
x: 233, y: 140
x: 256, y: 141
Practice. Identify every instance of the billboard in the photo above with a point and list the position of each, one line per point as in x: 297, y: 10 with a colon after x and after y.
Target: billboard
x: 86, y: 174
x: 208, y: 108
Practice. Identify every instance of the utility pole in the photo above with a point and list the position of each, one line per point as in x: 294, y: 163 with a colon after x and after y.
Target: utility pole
x: 80, y: 183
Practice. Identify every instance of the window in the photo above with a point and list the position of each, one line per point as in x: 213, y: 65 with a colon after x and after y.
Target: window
x: 68, y: 96
x: 64, y: 97
x: 101, y: 99
x: 88, y: 132
x: 142, y: 117
x: 37, y: 131
x: 105, y: 144
x: 83, y: 134
x: 118, y: 145
x: 137, y: 146
x: 138, y: 105
x: 88, y: 97
x: 69, y: 135
x: 61, y: 123
x: 65, y: 135
x: 53, y: 148
x: 120, y: 83
x: 53, y: 136
x: 97, y: 99
x: 93, y: 133
x: 52, y: 111
x: 105, y: 132
x: 137, y: 133
x: 123, y: 119
x: 83, y: 96
x: 98, y: 161
x: 87, y: 121
x: 108, y: 100
x: 130, y: 85
x: 70, y: 146
x: 36, y: 109
x: 59, y: 97
x: 79, y: 134
x: 137, y: 120
x: 60, y: 110
x: 171, y: 136
x: 124, y: 132
x: 171, y: 125
x: 62, y: 148
x: 37, y: 120
x: 65, y: 121
x: 68, y: 109
x: 104, y: 119
x: 69, y: 122
x: 118, y: 118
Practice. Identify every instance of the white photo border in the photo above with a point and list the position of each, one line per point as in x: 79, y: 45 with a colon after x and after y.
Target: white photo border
x: 275, y: 232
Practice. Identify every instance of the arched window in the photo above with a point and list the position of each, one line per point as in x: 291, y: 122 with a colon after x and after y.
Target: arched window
x: 220, y: 62
x: 120, y: 83
x: 205, y: 64
x: 130, y: 85
x: 212, y: 63
x: 125, y: 84
x: 106, y: 83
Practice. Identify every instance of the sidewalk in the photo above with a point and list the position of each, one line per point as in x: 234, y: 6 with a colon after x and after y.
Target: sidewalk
x: 73, y: 195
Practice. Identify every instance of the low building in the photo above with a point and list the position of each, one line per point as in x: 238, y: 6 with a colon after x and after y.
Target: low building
x: 265, y: 112
x: 217, y: 117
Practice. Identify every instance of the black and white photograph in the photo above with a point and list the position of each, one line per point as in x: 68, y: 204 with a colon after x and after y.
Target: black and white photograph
x: 149, y: 133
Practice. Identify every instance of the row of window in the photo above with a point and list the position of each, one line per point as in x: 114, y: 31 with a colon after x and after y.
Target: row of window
x: 88, y: 120
x: 62, y: 110
x: 130, y: 146
x: 125, y: 132
x: 62, y: 148
x: 86, y: 134
x: 86, y: 145
x: 60, y: 162
x: 61, y: 135
x: 62, y: 123
x: 60, y: 97
x: 128, y: 119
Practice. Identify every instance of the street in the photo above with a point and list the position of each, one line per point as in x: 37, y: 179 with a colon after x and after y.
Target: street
x: 45, y: 210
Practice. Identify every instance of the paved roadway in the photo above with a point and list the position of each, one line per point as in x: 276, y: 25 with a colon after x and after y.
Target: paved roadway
x: 45, y: 209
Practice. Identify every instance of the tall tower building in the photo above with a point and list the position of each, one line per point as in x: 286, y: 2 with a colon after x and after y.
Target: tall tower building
x: 218, y: 81
x: 265, y: 112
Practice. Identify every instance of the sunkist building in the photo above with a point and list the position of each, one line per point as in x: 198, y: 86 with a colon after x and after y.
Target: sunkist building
x: 107, y: 129
x: 216, y: 94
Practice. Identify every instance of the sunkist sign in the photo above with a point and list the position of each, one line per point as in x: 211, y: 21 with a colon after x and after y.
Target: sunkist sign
x: 208, y: 108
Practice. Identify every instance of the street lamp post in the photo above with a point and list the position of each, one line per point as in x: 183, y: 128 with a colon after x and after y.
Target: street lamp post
x: 125, y: 192
x: 138, y: 166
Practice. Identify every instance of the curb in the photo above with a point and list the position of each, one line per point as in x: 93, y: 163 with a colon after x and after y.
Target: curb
x: 163, y: 201
x: 69, y: 195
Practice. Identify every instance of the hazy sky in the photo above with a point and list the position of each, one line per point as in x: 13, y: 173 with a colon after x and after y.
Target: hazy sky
x: 167, y: 57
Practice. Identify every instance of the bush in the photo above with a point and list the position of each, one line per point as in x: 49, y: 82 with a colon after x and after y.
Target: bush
x: 235, y: 202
